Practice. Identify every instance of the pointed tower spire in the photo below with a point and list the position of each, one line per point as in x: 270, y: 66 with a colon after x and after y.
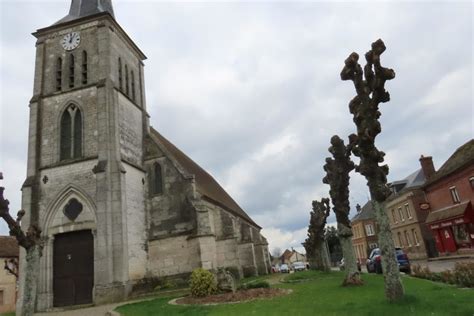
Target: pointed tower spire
x: 82, y: 8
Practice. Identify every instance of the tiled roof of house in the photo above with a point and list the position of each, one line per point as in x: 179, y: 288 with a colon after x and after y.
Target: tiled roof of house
x: 462, y: 157
x: 367, y: 212
x: 8, y: 247
x: 205, y: 183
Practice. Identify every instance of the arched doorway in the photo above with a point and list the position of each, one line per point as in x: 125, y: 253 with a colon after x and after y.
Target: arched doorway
x: 73, y: 268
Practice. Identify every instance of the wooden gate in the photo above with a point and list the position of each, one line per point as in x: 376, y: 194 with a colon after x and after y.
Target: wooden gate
x: 73, y: 268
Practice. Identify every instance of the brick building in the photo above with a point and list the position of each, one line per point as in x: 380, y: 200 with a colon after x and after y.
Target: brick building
x: 450, y: 194
x: 364, y: 231
x: 406, y: 209
x: 118, y: 204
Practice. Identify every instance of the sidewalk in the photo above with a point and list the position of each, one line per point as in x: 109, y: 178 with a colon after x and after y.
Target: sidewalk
x: 89, y: 311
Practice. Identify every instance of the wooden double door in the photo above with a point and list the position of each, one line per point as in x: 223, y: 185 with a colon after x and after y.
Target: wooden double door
x: 73, y: 268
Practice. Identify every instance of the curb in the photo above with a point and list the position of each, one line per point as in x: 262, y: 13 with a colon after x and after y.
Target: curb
x: 444, y: 258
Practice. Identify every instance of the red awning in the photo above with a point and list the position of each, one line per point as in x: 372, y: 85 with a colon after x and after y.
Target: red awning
x: 449, y: 215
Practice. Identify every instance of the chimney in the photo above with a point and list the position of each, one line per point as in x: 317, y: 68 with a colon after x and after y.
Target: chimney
x: 358, y: 208
x: 427, y: 166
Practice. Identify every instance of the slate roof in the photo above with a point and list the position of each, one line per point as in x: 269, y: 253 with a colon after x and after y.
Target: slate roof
x: 463, y: 156
x: 205, y: 183
x: 8, y: 247
x: 367, y: 212
x: 82, y: 8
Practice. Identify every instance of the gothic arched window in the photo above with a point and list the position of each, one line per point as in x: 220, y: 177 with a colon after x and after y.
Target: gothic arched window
x: 120, y: 73
x: 126, y: 80
x: 71, y: 71
x: 71, y: 133
x: 133, y: 86
x: 156, y: 181
x: 59, y: 74
x: 84, y: 67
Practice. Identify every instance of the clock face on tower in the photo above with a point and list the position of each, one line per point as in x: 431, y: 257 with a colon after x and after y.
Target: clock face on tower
x: 71, y: 40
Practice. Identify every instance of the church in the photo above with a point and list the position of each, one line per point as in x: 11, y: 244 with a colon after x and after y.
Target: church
x: 118, y: 204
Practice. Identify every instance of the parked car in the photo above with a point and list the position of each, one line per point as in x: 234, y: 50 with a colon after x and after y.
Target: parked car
x: 299, y: 266
x: 342, y: 265
x: 284, y: 268
x: 374, y: 262
x: 275, y: 268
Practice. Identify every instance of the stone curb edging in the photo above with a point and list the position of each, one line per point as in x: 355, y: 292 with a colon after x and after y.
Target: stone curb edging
x: 173, y: 301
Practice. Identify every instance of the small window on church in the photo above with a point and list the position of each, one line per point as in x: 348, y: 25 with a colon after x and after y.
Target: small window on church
x: 156, y: 182
x: 71, y: 71
x: 84, y: 67
x: 120, y: 73
x: 126, y: 80
x: 71, y: 133
x: 59, y: 74
x: 133, y: 86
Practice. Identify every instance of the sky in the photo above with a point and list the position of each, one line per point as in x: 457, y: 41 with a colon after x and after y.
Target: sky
x: 251, y: 91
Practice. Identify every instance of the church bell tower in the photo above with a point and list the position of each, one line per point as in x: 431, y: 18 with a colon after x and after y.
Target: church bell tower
x: 85, y: 174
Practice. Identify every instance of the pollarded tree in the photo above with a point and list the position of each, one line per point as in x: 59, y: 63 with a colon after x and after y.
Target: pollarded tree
x: 314, y: 244
x: 337, y: 176
x: 365, y: 109
x: 31, y: 242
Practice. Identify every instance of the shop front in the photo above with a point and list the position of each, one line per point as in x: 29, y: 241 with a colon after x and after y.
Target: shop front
x: 452, y: 227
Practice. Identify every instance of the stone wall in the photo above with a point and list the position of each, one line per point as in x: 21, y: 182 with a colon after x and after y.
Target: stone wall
x: 171, y: 256
x: 136, y: 222
x: 170, y: 212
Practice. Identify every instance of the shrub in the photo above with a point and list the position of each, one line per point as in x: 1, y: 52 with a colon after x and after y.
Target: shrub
x: 448, y: 277
x: 464, y: 274
x: 202, y: 283
x: 255, y: 285
x: 166, y: 285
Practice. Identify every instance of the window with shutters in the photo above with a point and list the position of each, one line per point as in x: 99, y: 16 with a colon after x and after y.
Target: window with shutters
x: 71, y: 133
x: 84, y: 67
x: 394, y: 217
x: 408, y: 211
x: 415, y: 237
x: 454, y: 195
x: 400, y: 241
x: 408, y: 239
x: 400, y: 213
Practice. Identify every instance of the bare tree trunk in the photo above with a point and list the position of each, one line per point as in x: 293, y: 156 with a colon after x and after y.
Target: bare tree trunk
x: 326, y: 259
x: 393, y: 286
x: 31, y: 242
x: 33, y: 255
x: 315, y: 243
x: 365, y: 110
x: 337, y: 176
x: 350, y: 264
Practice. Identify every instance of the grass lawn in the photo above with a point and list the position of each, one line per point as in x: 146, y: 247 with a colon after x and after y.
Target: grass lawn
x: 321, y: 294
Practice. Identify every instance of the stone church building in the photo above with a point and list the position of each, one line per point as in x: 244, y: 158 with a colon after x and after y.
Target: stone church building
x: 118, y: 204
